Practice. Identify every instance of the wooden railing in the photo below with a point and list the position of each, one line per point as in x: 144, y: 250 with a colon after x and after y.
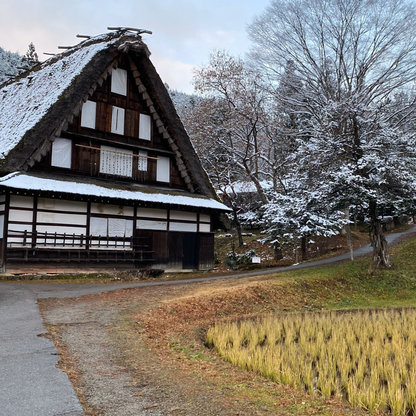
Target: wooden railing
x: 53, y: 246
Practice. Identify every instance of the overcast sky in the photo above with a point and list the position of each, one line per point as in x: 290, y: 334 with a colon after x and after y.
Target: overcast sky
x: 184, y: 31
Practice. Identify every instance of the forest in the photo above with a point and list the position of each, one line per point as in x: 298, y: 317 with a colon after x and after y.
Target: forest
x: 312, y: 130
x: 315, y: 128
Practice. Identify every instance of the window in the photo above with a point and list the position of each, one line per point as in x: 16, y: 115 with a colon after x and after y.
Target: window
x: 61, y: 153
x: 119, y: 81
x: 88, y: 114
x: 145, y: 124
x: 142, y: 160
x: 111, y: 227
x: 117, y: 120
x: 163, y: 169
x: 115, y: 161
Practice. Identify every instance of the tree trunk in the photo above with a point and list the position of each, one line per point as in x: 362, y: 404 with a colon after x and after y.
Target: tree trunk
x: 303, y: 248
x: 348, y: 233
x: 278, y: 255
x: 381, y: 255
x: 236, y: 219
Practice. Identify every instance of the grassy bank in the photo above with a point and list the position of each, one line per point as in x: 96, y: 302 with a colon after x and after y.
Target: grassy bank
x: 367, y: 358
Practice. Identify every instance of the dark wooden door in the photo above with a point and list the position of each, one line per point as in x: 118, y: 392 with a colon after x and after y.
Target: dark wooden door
x: 190, y: 250
x: 175, y: 250
x: 206, y: 251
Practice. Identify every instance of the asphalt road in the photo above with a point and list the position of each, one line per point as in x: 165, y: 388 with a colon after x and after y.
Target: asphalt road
x: 30, y: 383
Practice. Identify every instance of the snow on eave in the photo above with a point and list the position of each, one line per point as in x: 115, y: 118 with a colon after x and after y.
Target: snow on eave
x: 24, y: 102
x: 28, y: 182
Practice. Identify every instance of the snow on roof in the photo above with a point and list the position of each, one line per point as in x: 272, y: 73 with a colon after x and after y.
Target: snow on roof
x: 30, y: 182
x: 23, y: 103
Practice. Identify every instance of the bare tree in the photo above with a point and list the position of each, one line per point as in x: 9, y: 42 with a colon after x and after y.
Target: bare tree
x: 351, y: 57
x: 235, y: 114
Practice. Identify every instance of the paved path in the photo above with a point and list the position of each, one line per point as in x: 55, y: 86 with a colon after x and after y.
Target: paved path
x: 30, y: 383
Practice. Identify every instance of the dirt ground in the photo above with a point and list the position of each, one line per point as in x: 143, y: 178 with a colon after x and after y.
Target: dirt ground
x: 140, y: 352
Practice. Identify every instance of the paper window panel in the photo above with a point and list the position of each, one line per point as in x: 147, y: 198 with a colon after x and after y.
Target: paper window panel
x: 142, y: 161
x: 145, y: 127
x: 117, y: 120
x: 118, y: 227
x: 88, y: 114
x: 119, y: 81
x: 61, y: 153
x: 163, y: 169
x: 98, y: 226
x: 115, y: 161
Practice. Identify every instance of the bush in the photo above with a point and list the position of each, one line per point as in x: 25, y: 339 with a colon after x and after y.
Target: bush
x: 233, y: 259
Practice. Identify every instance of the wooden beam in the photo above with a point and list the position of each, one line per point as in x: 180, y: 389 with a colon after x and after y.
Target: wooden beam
x: 114, y: 151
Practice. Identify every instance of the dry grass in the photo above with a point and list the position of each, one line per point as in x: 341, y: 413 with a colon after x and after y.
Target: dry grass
x: 368, y: 358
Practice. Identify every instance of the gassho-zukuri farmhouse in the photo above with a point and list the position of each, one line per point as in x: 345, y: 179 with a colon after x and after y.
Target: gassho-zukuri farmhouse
x: 96, y: 169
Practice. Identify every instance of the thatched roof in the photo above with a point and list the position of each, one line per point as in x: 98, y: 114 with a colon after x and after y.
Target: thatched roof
x: 37, y: 106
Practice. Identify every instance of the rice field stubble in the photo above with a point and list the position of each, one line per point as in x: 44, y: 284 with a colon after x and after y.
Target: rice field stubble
x: 366, y: 357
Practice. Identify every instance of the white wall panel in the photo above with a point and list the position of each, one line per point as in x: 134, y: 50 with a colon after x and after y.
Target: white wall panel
x: 2, y: 198
x: 163, y: 169
x: 152, y: 213
x: 88, y: 114
x: 204, y: 228
x: 21, y: 201
x: 61, y: 153
x: 119, y: 81
x: 19, y: 227
x: 61, y: 205
x: 17, y: 231
x: 60, y: 229
x: 2, y: 207
x: 183, y: 226
x: 182, y: 215
x: 55, y: 218
x: 152, y: 225
x: 111, y: 209
x: 117, y: 120
x: 204, y: 218
x: 145, y: 127
x: 20, y: 215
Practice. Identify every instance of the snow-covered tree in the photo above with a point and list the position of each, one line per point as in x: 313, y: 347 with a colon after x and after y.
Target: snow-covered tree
x: 9, y: 63
x: 235, y: 114
x: 31, y: 56
x: 351, y: 58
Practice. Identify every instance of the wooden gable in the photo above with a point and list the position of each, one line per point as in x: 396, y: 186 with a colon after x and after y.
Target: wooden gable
x: 118, y: 119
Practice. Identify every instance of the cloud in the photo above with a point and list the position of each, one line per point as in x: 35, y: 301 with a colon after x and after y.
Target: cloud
x: 174, y: 73
x: 184, y: 31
